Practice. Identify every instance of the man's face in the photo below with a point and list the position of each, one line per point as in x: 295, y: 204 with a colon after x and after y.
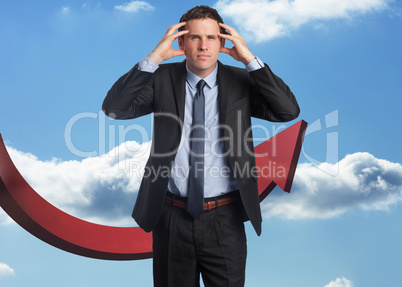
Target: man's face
x: 201, y: 45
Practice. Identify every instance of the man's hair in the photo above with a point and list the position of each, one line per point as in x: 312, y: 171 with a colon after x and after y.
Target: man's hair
x: 202, y: 12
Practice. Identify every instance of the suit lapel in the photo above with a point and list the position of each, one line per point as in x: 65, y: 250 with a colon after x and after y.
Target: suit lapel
x: 178, y: 78
x: 224, y: 90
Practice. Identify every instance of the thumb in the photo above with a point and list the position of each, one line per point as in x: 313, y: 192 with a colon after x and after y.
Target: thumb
x: 178, y: 53
x: 225, y: 50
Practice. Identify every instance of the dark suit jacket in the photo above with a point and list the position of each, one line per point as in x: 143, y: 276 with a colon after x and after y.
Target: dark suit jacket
x: 241, y: 95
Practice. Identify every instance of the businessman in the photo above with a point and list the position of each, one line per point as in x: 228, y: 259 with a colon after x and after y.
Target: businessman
x: 199, y: 186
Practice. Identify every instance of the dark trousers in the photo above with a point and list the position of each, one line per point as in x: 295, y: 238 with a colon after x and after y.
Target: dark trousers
x: 213, y: 245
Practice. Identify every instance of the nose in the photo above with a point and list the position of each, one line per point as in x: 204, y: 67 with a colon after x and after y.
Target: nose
x: 203, y: 44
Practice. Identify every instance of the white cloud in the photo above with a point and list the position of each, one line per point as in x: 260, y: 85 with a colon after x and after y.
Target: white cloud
x: 363, y: 182
x: 263, y: 20
x: 6, y: 270
x: 340, y: 282
x: 4, y: 218
x: 65, y: 10
x: 134, y: 7
x: 99, y: 189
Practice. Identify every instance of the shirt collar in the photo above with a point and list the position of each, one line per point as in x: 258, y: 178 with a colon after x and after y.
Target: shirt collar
x: 192, y: 79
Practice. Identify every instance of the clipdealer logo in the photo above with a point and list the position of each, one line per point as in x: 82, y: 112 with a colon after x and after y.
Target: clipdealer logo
x: 327, y: 128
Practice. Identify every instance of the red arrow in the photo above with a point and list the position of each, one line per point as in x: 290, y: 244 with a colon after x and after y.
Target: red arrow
x: 62, y: 230
x: 276, y: 159
x: 77, y: 236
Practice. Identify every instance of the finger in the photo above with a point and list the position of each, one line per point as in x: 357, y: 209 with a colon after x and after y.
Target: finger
x: 174, y: 27
x: 225, y: 50
x: 178, y: 53
x: 226, y: 36
x: 230, y: 29
x: 177, y: 35
x: 229, y: 37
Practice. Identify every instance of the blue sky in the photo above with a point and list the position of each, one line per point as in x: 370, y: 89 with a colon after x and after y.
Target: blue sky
x: 339, y: 227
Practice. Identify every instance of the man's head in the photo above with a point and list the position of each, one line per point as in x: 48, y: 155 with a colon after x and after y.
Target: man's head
x: 201, y: 44
x: 201, y: 12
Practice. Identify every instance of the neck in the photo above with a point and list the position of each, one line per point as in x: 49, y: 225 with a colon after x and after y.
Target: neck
x: 202, y: 73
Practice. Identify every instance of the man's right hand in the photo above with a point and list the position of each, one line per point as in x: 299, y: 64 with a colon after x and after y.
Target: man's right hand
x: 164, y: 50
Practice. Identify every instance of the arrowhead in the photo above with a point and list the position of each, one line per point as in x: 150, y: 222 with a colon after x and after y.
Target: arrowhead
x: 276, y: 159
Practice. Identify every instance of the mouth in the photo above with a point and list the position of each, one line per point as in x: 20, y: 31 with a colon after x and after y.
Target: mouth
x: 202, y: 56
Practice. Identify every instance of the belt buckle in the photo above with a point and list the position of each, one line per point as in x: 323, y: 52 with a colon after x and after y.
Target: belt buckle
x: 209, y: 205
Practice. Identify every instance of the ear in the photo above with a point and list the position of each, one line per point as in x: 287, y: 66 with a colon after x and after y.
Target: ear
x: 181, y: 43
x: 222, y: 42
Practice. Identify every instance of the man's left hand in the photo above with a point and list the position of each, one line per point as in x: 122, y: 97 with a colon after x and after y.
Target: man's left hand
x: 239, y: 51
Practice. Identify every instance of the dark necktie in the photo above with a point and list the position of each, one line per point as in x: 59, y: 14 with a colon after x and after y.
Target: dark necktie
x: 195, y: 203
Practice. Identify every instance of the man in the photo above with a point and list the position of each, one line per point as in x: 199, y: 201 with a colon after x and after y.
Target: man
x: 202, y: 137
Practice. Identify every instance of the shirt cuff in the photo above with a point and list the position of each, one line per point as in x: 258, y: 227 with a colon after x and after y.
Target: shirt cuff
x: 255, y: 65
x: 147, y: 65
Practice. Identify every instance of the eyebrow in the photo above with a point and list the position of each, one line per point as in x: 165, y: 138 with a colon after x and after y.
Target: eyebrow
x: 209, y: 35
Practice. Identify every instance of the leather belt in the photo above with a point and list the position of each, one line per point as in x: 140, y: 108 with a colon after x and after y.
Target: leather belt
x: 209, y: 205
